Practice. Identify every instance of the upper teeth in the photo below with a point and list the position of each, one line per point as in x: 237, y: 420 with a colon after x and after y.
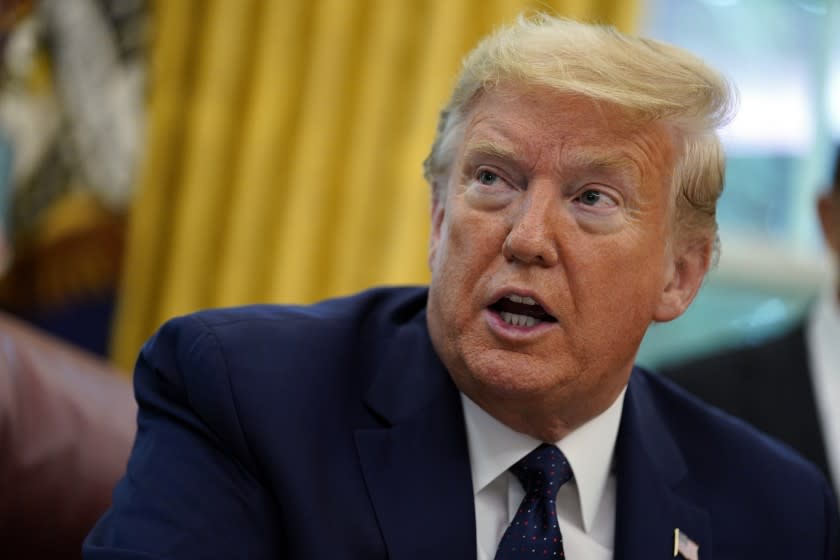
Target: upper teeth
x: 522, y: 299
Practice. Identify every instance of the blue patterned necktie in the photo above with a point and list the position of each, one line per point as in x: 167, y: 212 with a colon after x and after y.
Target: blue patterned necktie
x: 533, y: 532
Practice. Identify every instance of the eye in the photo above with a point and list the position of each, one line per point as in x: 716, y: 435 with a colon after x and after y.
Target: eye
x: 593, y: 197
x: 486, y: 177
x: 590, y: 197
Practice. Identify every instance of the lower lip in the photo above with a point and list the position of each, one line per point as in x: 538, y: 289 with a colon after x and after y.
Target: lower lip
x: 505, y: 330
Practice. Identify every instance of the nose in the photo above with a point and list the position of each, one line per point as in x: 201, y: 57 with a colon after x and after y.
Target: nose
x: 531, y: 239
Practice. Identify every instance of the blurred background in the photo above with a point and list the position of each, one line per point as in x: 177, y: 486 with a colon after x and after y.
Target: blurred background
x: 161, y: 157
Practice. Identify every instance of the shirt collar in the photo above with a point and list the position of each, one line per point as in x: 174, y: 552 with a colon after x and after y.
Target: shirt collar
x: 494, y: 448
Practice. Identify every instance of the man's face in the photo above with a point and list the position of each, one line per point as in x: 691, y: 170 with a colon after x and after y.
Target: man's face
x: 549, y: 251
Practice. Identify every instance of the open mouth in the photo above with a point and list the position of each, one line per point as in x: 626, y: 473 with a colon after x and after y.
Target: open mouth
x: 521, y: 311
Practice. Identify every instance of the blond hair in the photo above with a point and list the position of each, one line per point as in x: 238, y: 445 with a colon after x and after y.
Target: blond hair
x: 653, y: 80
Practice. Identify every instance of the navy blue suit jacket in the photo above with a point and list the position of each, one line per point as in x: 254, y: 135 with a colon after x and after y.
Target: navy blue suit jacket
x: 334, y: 431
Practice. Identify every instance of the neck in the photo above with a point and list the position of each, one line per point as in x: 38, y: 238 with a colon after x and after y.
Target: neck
x: 544, y: 419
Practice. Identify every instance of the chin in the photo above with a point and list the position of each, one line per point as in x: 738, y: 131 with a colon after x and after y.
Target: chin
x: 509, y: 375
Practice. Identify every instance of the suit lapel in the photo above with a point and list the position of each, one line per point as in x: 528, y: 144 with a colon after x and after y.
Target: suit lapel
x: 417, y: 467
x: 649, y: 472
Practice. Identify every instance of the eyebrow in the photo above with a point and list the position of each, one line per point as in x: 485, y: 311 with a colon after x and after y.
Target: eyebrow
x: 578, y: 159
x: 602, y: 161
x: 615, y: 164
x: 492, y: 149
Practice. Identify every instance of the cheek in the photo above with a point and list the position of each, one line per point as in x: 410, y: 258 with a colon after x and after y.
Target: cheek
x: 644, y: 290
x: 621, y: 282
x: 473, y: 238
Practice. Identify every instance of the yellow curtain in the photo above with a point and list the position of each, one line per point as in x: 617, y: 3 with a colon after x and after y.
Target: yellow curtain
x: 284, y: 147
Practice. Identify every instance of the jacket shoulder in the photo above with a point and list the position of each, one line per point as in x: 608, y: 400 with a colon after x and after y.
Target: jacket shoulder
x: 259, y: 332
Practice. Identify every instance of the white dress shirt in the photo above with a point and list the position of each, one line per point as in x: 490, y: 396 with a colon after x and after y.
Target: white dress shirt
x: 822, y: 336
x: 585, y: 504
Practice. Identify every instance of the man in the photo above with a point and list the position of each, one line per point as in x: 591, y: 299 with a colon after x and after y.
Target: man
x: 789, y: 385
x: 574, y: 180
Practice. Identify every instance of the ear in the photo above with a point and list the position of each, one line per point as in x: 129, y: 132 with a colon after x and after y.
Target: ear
x: 438, y: 213
x: 829, y: 215
x: 684, y: 276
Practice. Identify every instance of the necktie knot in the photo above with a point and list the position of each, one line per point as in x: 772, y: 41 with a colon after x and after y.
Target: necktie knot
x: 542, y: 471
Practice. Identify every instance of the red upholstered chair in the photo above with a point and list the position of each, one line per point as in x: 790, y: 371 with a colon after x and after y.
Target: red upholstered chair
x: 67, y: 422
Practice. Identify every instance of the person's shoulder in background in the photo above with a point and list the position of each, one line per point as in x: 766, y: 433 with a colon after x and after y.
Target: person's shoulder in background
x: 768, y: 385
x: 728, y: 378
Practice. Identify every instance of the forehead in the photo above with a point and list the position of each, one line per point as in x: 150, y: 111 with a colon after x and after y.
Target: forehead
x: 516, y: 122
